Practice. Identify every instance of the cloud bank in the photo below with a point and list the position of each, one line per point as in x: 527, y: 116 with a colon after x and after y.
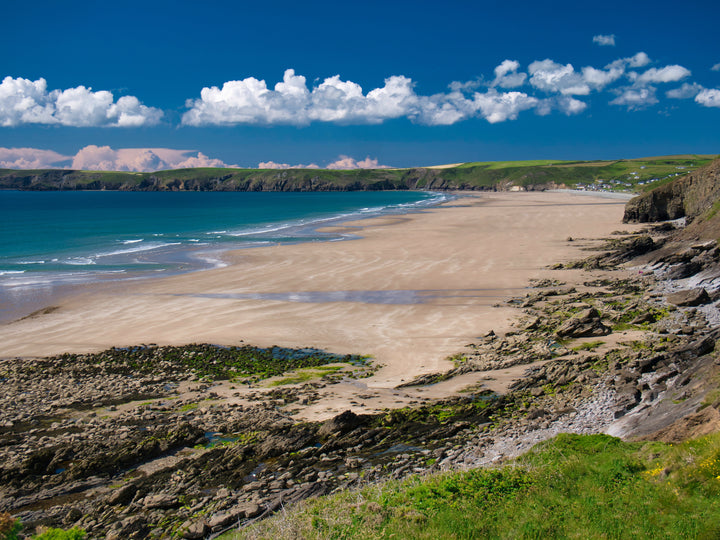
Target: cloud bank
x: 546, y: 86
x: 291, y: 102
x: 343, y: 162
x: 543, y: 86
x: 31, y: 158
x: 104, y: 158
x: 23, y: 101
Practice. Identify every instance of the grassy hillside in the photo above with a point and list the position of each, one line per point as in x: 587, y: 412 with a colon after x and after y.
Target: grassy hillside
x: 573, y: 486
x: 632, y: 174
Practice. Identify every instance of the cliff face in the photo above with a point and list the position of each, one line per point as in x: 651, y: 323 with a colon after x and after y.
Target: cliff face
x: 237, y: 180
x: 689, y: 196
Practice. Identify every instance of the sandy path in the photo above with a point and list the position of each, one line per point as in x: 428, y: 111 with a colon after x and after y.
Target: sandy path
x: 472, y: 253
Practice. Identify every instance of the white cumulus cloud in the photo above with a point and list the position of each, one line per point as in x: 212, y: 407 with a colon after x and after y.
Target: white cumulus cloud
x: 342, y: 162
x: 507, y: 76
x: 23, y: 101
x: 635, y: 98
x: 604, y: 40
x: 665, y: 74
x: 716, y: 67
x: 291, y: 102
x: 600, y: 78
x: 570, y: 105
x: 250, y: 101
x: 345, y: 162
x: 273, y: 165
x: 497, y: 107
x: 105, y: 158
x: 686, y: 91
x: 710, y: 97
x: 551, y: 77
x: 640, y: 59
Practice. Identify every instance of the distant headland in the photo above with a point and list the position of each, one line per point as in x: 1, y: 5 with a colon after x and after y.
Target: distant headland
x: 607, y: 175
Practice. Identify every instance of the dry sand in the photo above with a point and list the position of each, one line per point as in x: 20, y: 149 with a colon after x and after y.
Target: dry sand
x: 459, y: 259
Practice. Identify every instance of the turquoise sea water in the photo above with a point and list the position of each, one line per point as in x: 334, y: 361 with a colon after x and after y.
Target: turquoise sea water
x: 51, y: 239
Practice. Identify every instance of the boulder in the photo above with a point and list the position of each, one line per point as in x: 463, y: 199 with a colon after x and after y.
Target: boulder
x: 122, y: 495
x: 222, y: 520
x: 161, y: 500
x: 690, y: 297
x: 194, y: 530
x: 587, y: 323
x: 343, y: 422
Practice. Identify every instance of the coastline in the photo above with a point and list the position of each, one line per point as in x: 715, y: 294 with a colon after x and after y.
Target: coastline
x: 119, y: 442
x: 452, y: 264
x: 152, y: 250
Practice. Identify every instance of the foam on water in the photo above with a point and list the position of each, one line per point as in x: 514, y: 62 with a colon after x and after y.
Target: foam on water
x: 60, y: 238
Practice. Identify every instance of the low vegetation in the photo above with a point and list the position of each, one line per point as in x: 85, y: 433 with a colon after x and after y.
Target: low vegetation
x: 589, y: 486
x: 210, y: 362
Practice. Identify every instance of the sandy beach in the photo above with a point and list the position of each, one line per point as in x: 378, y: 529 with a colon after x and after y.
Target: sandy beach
x: 413, y: 290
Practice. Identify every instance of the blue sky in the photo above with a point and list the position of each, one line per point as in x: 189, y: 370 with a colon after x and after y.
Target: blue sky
x: 147, y: 85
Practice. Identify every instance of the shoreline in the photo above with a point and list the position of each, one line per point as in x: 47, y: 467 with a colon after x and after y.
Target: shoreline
x: 474, y: 252
x: 121, y: 442
x: 22, y: 298
x: 168, y: 442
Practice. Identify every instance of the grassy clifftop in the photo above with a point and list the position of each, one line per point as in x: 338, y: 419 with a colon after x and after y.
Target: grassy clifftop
x: 616, y: 175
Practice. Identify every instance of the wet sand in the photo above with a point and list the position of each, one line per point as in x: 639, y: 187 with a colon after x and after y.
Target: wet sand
x: 412, y: 291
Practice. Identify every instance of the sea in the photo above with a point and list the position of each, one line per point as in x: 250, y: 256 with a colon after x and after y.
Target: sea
x: 53, y: 241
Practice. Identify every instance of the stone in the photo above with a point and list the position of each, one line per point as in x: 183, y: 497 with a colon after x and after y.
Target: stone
x: 73, y: 515
x: 646, y: 317
x: 122, y: 495
x: 684, y: 270
x: 222, y: 493
x: 689, y: 297
x: 235, y: 514
x: 194, y: 530
x: 132, y: 527
x: 587, y: 323
x: 161, y: 500
x: 343, y: 422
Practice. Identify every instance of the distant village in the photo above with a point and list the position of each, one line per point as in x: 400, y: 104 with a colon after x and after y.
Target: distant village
x: 632, y: 180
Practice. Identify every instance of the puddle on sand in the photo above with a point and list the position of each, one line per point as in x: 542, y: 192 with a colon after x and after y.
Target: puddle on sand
x: 396, y: 297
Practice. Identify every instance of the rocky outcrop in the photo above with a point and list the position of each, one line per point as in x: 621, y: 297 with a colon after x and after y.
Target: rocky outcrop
x: 688, y: 196
x: 689, y: 298
x: 587, y: 323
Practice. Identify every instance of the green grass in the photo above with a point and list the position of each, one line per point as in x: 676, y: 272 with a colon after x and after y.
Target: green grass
x: 712, y: 212
x: 574, y: 486
x: 60, y: 534
x: 188, y: 407
x: 506, y: 164
x: 588, y: 346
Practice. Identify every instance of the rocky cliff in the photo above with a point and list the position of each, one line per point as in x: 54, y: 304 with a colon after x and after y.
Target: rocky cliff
x: 689, y: 196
